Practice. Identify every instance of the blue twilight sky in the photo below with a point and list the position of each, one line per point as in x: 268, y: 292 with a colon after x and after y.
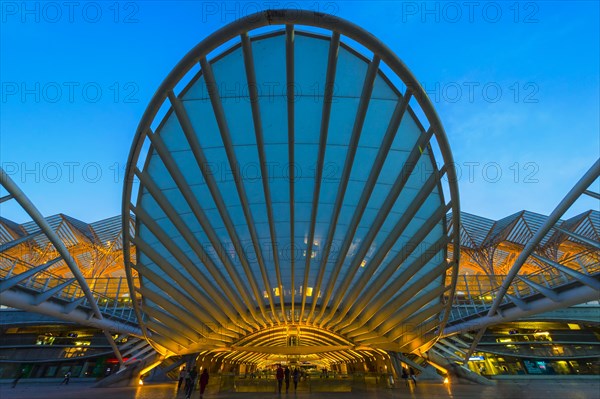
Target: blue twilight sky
x: 516, y: 85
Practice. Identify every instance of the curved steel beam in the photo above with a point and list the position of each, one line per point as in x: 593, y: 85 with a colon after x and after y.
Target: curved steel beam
x: 552, y: 300
x: 339, y: 26
x: 60, y: 247
x: 37, y: 217
x: 579, y: 188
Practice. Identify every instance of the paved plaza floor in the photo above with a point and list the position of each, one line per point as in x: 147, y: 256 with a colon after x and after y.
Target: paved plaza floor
x: 517, y: 390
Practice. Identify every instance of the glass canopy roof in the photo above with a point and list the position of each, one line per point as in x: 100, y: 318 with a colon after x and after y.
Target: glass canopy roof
x: 289, y: 183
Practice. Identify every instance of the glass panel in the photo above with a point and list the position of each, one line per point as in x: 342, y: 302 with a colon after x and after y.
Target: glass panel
x: 310, y: 70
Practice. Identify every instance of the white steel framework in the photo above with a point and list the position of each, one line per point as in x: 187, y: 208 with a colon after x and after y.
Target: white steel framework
x: 230, y: 244
x: 582, y: 286
x: 51, y: 299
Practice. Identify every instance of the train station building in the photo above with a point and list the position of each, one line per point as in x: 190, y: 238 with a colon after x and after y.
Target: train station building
x: 291, y: 198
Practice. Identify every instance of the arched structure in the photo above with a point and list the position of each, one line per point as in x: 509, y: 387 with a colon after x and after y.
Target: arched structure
x: 291, y: 195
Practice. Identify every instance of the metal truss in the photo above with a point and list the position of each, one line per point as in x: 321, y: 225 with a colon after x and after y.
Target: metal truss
x: 555, y: 285
x: 492, y: 246
x: 96, y: 247
x: 34, y: 289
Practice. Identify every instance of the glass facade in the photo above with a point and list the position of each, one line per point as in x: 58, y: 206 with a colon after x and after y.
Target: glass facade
x: 290, y: 182
x: 50, y: 349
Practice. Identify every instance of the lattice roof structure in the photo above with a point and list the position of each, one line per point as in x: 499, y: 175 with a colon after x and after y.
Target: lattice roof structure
x: 97, y: 247
x: 475, y: 233
x: 490, y: 247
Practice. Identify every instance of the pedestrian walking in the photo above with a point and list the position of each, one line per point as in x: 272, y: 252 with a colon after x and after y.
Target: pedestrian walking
x: 67, y: 378
x: 405, y: 376
x: 203, y: 381
x: 279, y: 376
x: 192, y: 382
x: 295, y: 378
x: 20, y: 375
x: 182, y: 374
x: 286, y: 374
x: 186, y: 379
x: 413, y: 377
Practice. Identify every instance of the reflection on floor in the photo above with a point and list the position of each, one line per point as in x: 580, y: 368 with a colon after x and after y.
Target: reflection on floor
x: 584, y: 389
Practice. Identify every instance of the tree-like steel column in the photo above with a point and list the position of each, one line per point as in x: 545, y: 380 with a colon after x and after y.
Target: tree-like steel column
x: 37, y: 217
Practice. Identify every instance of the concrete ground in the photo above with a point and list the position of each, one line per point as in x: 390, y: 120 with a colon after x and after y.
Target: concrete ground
x: 588, y: 389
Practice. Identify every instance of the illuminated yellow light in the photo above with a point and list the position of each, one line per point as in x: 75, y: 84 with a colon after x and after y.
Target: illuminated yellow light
x: 574, y: 326
x: 545, y: 333
x: 276, y: 290
x: 363, y: 263
x: 446, y: 380
x: 309, y: 291
x: 140, y: 382
x: 265, y: 294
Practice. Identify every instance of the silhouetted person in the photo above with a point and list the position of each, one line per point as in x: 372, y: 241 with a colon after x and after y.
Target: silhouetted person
x: 412, y: 375
x: 286, y: 374
x: 187, y: 381
x: 203, y: 381
x: 405, y: 376
x: 67, y: 378
x: 182, y: 374
x: 295, y: 378
x: 192, y: 381
x: 20, y: 375
x: 279, y: 376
